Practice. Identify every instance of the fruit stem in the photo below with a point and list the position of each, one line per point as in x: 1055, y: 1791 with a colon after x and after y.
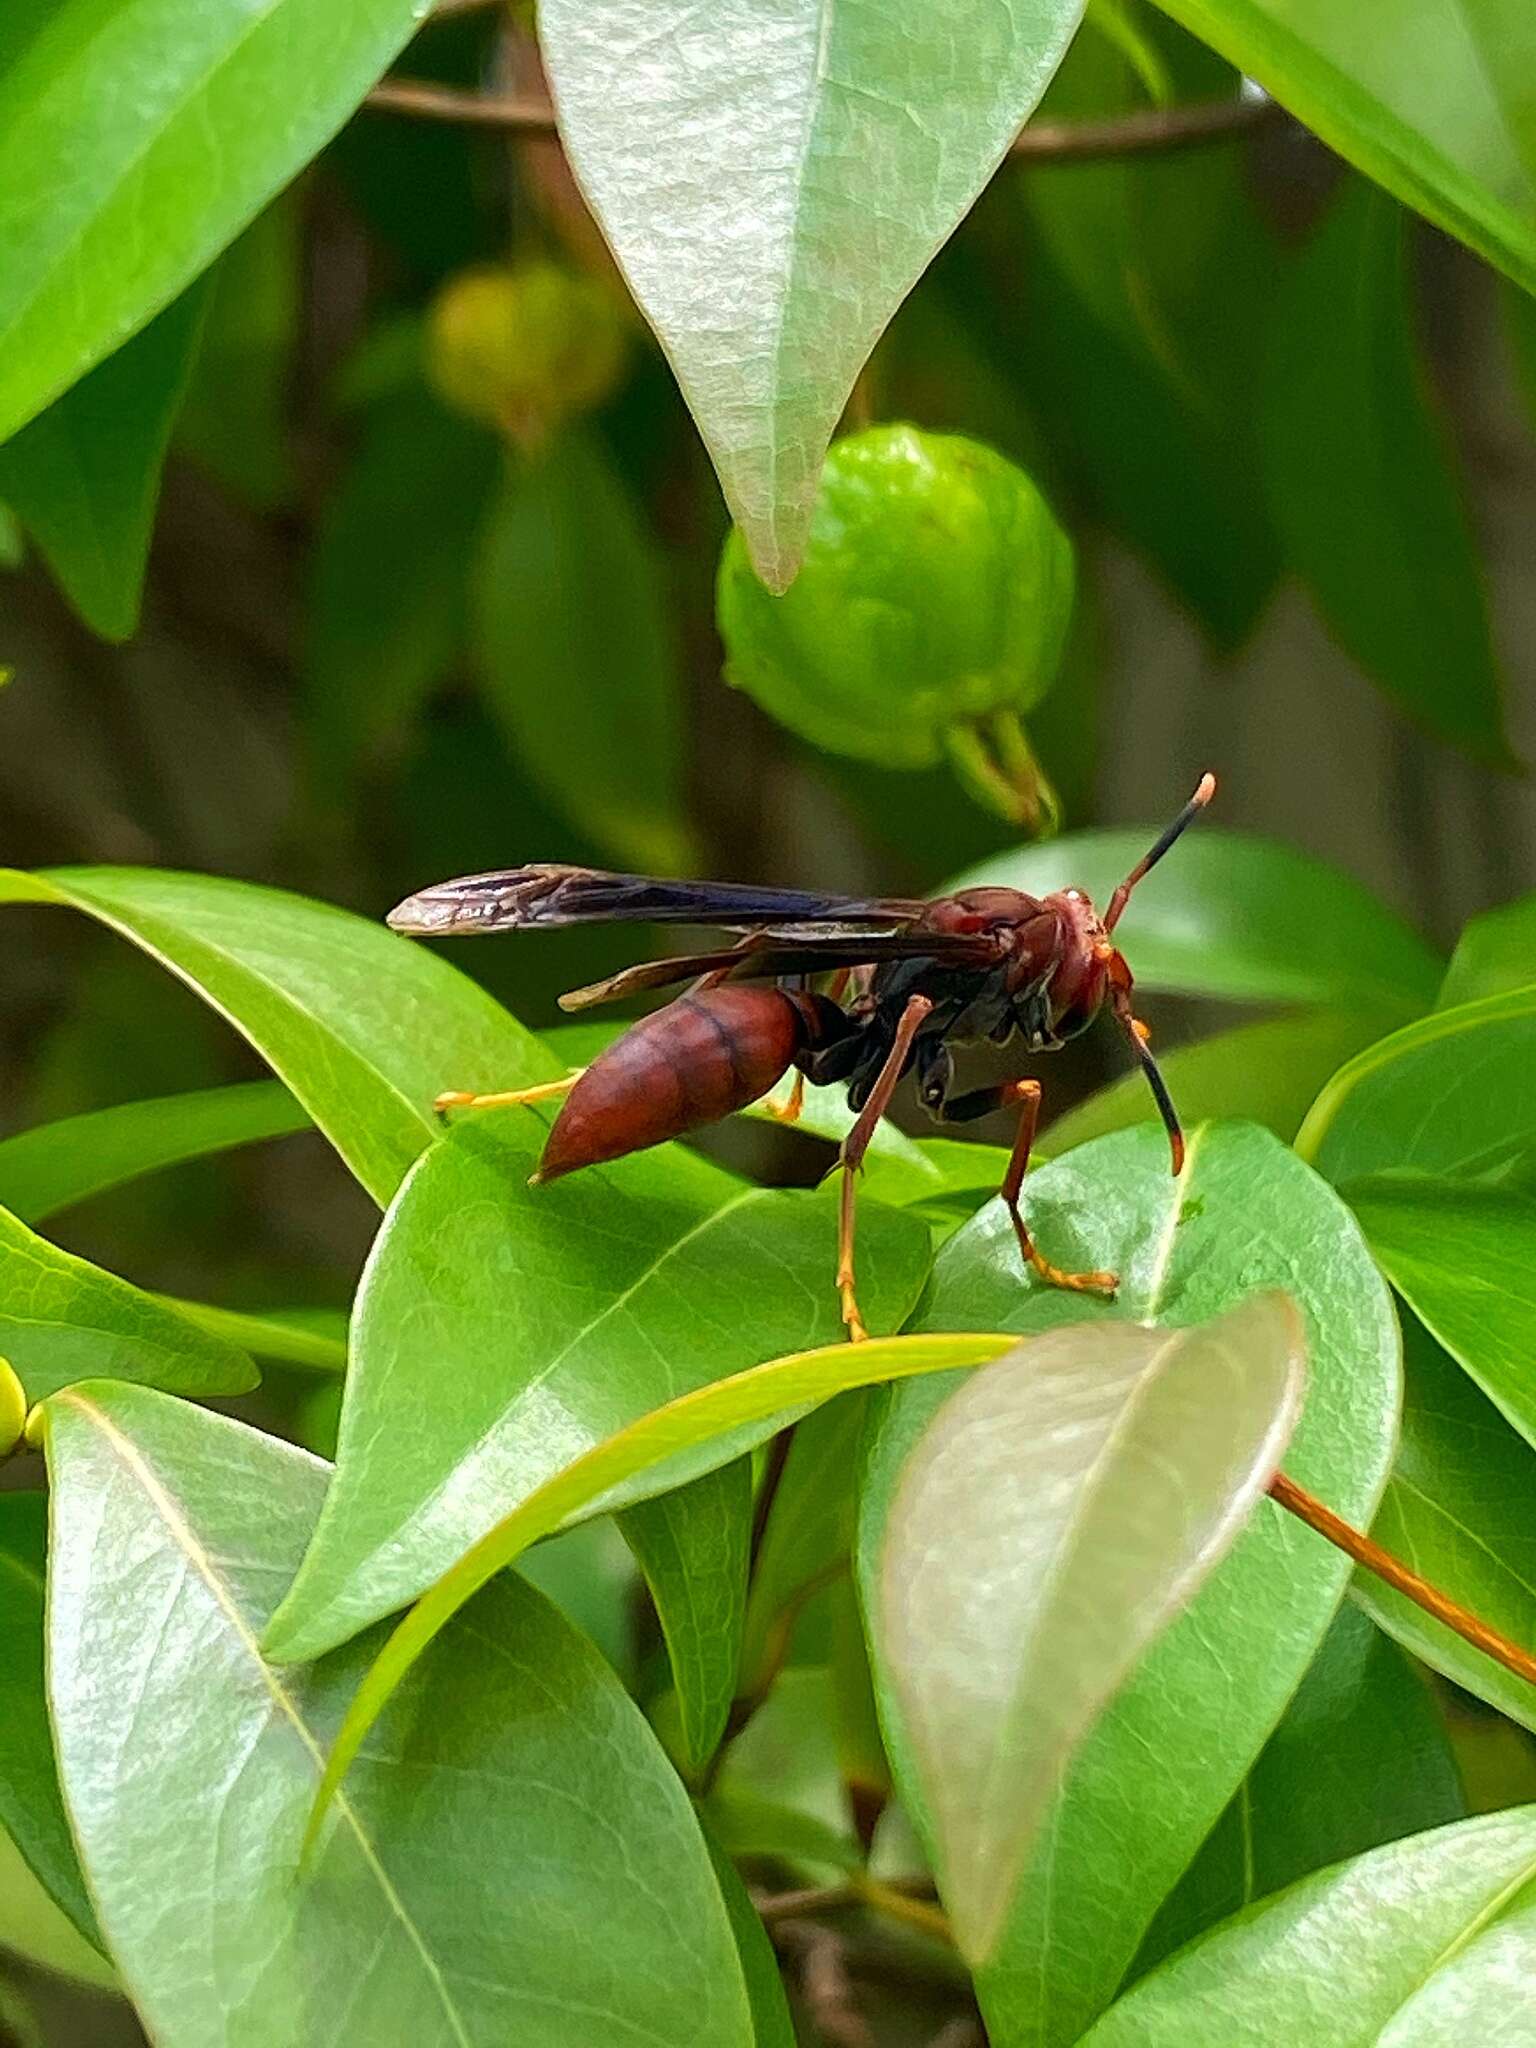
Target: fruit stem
x: 997, y: 764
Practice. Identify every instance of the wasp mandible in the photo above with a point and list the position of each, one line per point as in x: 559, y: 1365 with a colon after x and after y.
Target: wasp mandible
x: 908, y: 980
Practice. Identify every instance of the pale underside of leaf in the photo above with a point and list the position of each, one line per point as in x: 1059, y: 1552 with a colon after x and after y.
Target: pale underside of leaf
x: 774, y: 176
x: 1062, y: 1508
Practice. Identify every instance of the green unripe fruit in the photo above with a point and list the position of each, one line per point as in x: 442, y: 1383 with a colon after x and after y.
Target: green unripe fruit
x: 525, y: 347
x: 932, y: 610
x: 13, y: 1409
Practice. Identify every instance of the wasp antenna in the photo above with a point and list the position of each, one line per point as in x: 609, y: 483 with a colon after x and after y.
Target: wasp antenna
x: 1186, y: 817
x: 1135, y: 1032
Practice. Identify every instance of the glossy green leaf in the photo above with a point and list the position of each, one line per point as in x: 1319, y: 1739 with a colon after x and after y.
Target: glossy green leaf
x: 1464, y: 1259
x: 772, y: 2026
x: 773, y: 184
x: 1360, y: 1758
x: 1061, y: 1510
x: 1425, y: 1943
x: 233, y: 419
x: 31, y: 1806
x: 1495, y: 954
x: 55, y: 1165
x: 365, y: 1028
x: 1360, y: 479
x: 387, y: 619
x: 668, y: 1438
x: 1453, y: 1093
x: 136, y: 140
x: 313, y: 1338
x: 692, y: 1546
x: 589, y: 694
x: 1154, y: 1776
x: 1267, y: 1073
x: 563, y: 1313
x: 807, y: 1535
x: 1431, y: 130
x: 516, y: 1861
x: 84, y: 477
x: 1458, y: 1510
x: 32, y: 1926
x: 1227, y: 914
x: 62, y: 1319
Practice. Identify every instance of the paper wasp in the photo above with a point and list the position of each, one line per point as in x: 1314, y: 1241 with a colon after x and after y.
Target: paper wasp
x: 909, y: 979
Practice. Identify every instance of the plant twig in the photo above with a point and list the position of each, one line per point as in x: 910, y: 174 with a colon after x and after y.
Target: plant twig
x: 1394, y: 1573
x: 894, y: 1900
x: 1143, y: 130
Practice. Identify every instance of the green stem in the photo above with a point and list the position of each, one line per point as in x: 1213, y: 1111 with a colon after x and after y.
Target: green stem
x: 997, y: 764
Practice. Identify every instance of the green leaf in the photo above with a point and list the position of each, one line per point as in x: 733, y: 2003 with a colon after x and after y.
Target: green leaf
x: 564, y: 1313
x: 1453, y: 1093
x: 779, y: 1797
x: 1360, y: 1758
x: 1432, y: 131
x: 1267, y: 1073
x: 32, y: 1927
x: 772, y: 2026
x: 1360, y: 479
x: 1458, y: 1510
x: 692, y: 1546
x: 1495, y: 954
x: 807, y: 1535
x: 1175, y: 1744
x: 589, y: 694
x: 1464, y: 1259
x: 775, y: 1394
x: 233, y: 419
x: 1424, y: 1943
x: 1059, y: 1512
x: 136, y: 141
x: 1141, y: 303
x: 365, y: 1028
x: 31, y: 1806
x: 84, y: 477
x: 313, y: 1338
x: 388, y: 609
x: 62, y: 1319
x: 589, y: 1573
x: 773, y: 188
x: 1228, y: 914
x: 55, y: 1165
x: 517, y: 1861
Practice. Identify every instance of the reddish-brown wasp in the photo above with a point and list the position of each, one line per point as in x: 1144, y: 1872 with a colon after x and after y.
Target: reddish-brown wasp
x: 909, y: 979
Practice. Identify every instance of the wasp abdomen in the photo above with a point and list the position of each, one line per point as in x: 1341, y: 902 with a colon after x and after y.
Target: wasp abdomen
x: 684, y: 1066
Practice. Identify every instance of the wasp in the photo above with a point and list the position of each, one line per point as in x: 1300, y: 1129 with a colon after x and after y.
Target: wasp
x: 905, y: 981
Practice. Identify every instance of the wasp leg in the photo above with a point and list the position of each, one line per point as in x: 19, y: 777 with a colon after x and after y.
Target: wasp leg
x: 856, y: 1144
x: 981, y: 1102
x: 456, y: 1098
x: 788, y: 1111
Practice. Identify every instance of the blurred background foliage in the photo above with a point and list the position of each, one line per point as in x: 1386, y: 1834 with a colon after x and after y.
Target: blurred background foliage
x: 390, y: 631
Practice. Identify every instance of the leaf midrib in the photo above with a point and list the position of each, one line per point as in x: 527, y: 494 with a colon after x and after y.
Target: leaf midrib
x: 186, y: 1541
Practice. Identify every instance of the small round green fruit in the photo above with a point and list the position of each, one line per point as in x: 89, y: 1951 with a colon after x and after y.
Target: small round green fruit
x: 526, y: 346
x: 932, y: 609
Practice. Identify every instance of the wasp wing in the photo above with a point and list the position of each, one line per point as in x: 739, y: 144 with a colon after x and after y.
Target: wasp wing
x: 519, y: 899
x: 769, y: 954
